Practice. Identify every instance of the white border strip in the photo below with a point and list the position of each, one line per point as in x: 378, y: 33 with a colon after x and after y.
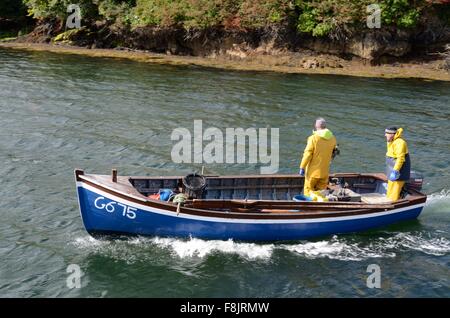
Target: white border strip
x: 236, y: 220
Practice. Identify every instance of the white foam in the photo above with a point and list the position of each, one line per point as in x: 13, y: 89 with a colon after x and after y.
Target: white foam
x: 201, y: 248
x: 339, y: 248
x: 87, y: 242
x: 115, y: 249
x: 437, y: 246
x: 442, y: 196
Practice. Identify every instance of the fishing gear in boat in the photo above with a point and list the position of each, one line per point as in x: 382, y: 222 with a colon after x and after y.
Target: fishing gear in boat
x: 340, y: 191
x: 180, y: 198
x: 194, y: 185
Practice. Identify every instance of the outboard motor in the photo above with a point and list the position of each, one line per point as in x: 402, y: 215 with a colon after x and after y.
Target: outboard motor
x: 415, y: 181
x: 194, y: 185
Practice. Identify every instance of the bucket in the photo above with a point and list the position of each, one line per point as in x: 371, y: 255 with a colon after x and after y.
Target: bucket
x: 194, y: 185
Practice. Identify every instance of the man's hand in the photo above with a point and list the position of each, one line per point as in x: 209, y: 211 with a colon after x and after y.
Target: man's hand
x: 301, y: 172
x: 395, y: 174
x: 336, y: 152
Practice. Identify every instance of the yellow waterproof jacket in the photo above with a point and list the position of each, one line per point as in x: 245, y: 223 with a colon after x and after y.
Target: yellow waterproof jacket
x: 397, y: 149
x: 397, y: 156
x: 317, y: 155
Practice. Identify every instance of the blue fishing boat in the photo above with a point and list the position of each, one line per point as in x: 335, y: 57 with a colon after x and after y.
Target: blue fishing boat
x: 243, y: 208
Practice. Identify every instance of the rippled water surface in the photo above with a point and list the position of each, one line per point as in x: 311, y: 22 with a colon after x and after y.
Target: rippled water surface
x: 59, y: 112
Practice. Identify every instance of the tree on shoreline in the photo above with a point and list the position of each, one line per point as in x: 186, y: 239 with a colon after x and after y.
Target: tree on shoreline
x: 316, y: 17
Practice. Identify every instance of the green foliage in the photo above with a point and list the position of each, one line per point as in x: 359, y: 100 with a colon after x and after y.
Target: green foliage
x: 264, y: 12
x: 322, y: 29
x: 403, y: 13
x: 66, y: 36
x: 116, y: 11
x: 307, y: 21
x: 316, y: 17
x: 207, y: 13
x: 158, y: 12
x: 321, y: 17
x: 46, y: 9
x: 187, y: 13
x: 41, y: 9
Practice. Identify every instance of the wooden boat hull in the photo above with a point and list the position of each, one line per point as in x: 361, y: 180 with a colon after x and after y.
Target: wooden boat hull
x: 106, y: 212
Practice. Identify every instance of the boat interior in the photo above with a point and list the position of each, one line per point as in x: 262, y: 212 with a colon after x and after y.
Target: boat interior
x: 363, y: 188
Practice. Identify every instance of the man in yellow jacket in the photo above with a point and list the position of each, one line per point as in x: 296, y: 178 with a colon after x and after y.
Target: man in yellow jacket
x: 398, y: 163
x: 315, y: 165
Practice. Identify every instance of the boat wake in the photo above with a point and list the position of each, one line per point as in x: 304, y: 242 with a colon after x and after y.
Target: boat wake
x: 338, y: 248
x: 439, y: 201
x: 201, y: 248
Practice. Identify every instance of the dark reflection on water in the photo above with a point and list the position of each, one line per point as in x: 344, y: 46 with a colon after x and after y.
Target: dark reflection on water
x: 58, y: 112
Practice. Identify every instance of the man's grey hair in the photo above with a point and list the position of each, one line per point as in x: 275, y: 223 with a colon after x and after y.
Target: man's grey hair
x: 320, y: 122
